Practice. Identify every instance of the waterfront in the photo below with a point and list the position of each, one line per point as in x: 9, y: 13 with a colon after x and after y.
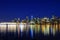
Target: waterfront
x: 26, y: 29
x: 13, y: 31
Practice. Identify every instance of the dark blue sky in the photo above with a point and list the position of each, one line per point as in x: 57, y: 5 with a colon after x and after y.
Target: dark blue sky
x: 10, y: 9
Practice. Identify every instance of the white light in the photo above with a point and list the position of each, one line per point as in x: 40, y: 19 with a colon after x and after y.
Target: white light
x: 21, y: 26
x: 12, y: 27
x: 2, y: 28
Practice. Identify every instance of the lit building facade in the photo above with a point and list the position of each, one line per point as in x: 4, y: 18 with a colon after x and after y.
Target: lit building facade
x: 45, y: 25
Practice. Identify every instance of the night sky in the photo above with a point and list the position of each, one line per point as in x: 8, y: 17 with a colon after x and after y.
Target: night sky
x: 10, y: 9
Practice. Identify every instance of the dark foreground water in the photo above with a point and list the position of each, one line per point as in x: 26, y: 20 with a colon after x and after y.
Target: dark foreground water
x: 27, y: 36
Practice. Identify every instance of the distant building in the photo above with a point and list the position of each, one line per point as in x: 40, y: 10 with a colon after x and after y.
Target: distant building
x: 44, y: 24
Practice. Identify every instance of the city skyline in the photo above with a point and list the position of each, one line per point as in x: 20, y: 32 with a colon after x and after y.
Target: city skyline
x: 29, y: 19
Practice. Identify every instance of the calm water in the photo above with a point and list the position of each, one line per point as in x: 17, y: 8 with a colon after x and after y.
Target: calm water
x: 28, y: 36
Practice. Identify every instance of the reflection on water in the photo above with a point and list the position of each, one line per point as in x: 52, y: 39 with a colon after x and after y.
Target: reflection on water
x: 45, y: 29
x: 28, y: 31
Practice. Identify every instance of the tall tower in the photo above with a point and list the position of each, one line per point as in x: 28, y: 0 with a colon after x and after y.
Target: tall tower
x: 27, y: 19
x: 31, y: 17
x: 18, y: 20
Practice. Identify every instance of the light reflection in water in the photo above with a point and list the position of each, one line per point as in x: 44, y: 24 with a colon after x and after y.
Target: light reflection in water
x: 59, y: 27
x: 31, y: 30
x: 31, y: 33
x: 35, y: 27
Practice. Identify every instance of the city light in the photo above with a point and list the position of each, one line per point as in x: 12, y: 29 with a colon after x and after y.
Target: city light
x: 35, y: 25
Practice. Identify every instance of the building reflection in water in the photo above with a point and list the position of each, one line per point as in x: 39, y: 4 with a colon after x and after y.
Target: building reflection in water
x: 34, y: 27
x: 45, y: 25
